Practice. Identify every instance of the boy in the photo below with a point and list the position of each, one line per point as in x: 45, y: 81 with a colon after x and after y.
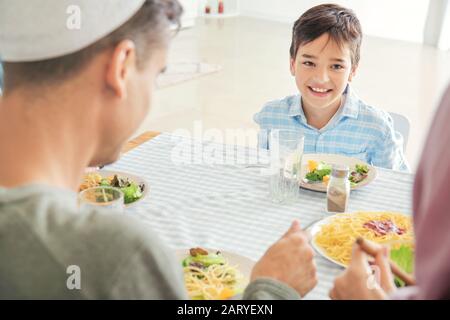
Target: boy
x: 324, y: 56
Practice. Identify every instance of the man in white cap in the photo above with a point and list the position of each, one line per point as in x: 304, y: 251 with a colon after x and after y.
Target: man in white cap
x: 78, y: 80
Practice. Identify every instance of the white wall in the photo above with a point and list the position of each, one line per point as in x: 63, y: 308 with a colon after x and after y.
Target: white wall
x: 444, y: 41
x: 190, y: 12
x: 395, y: 19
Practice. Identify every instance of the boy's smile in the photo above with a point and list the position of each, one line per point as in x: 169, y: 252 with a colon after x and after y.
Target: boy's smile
x: 319, y: 91
x: 322, y: 70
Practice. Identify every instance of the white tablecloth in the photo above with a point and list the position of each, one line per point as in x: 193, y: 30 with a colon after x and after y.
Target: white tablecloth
x: 228, y: 207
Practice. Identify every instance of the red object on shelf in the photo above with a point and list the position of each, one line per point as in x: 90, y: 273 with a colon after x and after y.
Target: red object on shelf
x: 220, y: 9
x: 208, y: 9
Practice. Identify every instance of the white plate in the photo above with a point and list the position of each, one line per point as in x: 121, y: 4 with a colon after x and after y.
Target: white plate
x: 243, y: 264
x: 315, y: 229
x: 334, y: 159
x: 124, y: 175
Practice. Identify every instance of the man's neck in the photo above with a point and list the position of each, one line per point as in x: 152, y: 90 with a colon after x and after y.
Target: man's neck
x: 319, y: 118
x: 32, y: 149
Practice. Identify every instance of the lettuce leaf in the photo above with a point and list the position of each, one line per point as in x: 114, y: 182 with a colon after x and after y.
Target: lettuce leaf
x: 317, y: 174
x: 404, y: 258
x: 131, y: 193
x: 205, y: 260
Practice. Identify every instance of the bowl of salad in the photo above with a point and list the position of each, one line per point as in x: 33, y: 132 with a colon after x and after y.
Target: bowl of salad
x: 133, y: 187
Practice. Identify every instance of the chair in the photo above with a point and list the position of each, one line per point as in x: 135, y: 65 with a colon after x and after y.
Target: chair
x: 401, y: 124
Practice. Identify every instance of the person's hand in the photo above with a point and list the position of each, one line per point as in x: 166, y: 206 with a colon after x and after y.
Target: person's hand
x: 289, y: 260
x: 364, y: 281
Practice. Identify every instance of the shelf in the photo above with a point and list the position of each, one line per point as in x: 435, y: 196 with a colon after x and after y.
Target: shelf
x: 231, y: 9
x: 218, y: 16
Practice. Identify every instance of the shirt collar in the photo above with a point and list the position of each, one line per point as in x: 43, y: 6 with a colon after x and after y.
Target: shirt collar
x: 350, y: 107
x: 351, y: 104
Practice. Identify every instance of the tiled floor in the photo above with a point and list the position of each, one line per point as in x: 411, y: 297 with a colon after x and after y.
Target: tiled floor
x: 400, y: 77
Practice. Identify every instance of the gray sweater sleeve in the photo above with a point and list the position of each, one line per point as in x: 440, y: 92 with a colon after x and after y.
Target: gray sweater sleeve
x: 269, y: 289
x: 151, y: 271
x: 148, y: 276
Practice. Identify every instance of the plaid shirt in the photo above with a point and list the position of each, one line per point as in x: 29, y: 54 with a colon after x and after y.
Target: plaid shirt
x: 357, y: 130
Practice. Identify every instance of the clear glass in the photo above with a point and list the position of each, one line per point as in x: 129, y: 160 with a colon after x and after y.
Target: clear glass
x: 286, y: 151
x: 338, y: 194
x: 102, y: 197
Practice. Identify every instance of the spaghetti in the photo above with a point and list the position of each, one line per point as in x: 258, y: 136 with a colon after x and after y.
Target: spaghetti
x: 337, y: 237
x: 92, y: 180
x: 211, y: 281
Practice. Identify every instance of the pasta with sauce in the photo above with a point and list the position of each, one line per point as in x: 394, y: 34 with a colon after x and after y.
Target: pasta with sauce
x: 337, y: 237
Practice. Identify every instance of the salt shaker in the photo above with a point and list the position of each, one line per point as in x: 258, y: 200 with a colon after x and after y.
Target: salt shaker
x: 338, y: 189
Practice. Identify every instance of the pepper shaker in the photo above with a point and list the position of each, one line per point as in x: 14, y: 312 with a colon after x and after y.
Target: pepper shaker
x: 338, y: 189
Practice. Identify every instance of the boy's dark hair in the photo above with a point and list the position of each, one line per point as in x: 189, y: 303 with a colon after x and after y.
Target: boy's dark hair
x: 340, y: 23
x: 147, y: 28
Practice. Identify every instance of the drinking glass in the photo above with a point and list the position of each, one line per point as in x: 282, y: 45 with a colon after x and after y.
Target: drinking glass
x: 105, y: 197
x: 286, y: 151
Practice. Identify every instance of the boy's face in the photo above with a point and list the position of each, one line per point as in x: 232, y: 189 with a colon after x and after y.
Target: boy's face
x: 322, y: 71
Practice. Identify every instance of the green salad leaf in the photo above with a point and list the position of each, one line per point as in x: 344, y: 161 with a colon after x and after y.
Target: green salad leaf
x: 362, y: 168
x: 205, y: 260
x: 404, y: 258
x: 131, y: 193
x: 317, y: 174
x: 105, y: 182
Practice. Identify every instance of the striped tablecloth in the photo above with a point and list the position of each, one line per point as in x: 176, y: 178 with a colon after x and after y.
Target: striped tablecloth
x: 228, y: 207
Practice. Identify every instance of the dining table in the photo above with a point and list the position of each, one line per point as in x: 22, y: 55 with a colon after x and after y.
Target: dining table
x: 198, y: 197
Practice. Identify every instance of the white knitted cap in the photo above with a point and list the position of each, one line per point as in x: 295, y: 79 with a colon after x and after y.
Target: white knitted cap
x: 44, y: 29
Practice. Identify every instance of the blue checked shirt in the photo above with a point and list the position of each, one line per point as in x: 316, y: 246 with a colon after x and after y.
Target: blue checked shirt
x: 356, y: 130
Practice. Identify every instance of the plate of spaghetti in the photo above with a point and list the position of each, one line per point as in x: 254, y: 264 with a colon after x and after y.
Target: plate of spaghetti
x: 334, y: 236
x: 214, y: 275
x: 133, y: 187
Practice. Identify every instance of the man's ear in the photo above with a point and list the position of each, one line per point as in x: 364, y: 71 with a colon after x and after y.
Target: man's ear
x: 121, y: 63
x: 352, y: 73
x: 292, y: 66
